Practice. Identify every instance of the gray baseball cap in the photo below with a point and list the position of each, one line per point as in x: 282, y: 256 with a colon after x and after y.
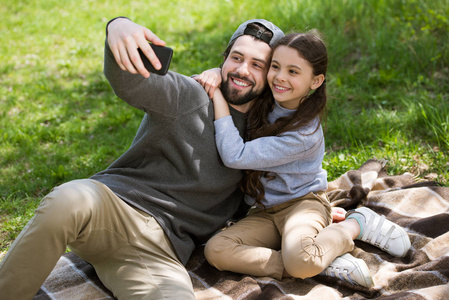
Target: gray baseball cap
x: 243, y: 30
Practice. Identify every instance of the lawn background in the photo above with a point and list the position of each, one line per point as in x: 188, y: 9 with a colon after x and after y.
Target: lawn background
x: 59, y: 119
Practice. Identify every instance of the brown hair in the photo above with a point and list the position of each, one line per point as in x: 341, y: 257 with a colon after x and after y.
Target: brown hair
x: 310, y: 47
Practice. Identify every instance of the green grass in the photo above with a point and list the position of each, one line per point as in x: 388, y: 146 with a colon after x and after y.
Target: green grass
x: 59, y: 119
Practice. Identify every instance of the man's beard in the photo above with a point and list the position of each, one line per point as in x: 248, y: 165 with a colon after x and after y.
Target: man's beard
x: 234, y: 96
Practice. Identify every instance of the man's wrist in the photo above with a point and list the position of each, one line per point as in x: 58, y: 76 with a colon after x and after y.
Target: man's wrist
x: 107, y: 25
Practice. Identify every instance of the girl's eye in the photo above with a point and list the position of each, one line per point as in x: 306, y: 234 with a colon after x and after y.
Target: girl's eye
x: 275, y: 67
x: 293, y: 72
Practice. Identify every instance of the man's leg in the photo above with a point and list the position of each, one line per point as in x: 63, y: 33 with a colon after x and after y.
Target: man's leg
x: 137, y: 261
x: 84, y: 214
x: 59, y: 218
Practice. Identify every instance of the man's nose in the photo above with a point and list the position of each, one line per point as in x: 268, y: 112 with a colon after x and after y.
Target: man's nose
x: 243, y: 69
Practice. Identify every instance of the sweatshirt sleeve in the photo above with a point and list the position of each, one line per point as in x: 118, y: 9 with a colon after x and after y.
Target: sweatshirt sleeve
x: 170, y: 95
x: 266, y: 153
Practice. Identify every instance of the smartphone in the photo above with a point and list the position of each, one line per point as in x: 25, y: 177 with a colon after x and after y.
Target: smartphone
x: 163, y: 53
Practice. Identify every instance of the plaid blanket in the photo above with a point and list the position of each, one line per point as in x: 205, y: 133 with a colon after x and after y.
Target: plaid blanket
x: 422, y: 208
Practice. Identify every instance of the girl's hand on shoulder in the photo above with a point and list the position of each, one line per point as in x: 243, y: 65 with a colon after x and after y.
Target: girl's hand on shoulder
x: 210, y: 80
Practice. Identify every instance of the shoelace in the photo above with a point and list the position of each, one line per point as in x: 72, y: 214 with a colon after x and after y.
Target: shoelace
x: 343, y: 274
x: 373, y: 236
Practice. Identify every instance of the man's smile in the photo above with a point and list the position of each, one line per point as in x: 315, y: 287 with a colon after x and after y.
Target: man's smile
x: 239, y: 81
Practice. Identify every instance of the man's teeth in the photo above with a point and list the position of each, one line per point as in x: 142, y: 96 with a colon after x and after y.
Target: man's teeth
x: 240, y: 83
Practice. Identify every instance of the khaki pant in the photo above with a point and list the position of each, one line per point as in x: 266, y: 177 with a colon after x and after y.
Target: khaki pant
x: 129, y: 250
x: 294, y: 236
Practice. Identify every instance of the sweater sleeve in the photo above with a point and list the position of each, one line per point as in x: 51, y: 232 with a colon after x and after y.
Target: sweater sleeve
x: 170, y: 95
x: 272, y: 153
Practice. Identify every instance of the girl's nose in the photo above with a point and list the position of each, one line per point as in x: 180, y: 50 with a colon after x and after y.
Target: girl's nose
x: 280, y: 76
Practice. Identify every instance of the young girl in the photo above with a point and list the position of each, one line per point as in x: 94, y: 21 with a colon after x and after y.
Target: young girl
x: 289, y: 230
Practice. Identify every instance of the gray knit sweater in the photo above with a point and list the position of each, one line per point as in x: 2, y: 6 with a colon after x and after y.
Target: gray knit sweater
x: 172, y: 169
x: 295, y: 158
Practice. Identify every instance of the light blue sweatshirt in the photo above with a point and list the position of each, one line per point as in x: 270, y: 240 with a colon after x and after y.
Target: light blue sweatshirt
x: 295, y: 158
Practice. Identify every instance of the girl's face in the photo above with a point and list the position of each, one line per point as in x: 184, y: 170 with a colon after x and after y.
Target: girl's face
x: 291, y: 77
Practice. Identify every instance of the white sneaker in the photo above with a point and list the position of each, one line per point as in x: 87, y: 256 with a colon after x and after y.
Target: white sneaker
x: 349, y: 269
x: 380, y: 232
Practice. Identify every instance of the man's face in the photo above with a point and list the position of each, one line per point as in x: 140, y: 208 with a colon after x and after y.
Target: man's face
x: 245, y: 69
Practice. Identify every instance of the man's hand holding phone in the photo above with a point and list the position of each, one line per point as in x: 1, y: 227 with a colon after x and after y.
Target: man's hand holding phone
x: 164, y: 54
x: 125, y: 38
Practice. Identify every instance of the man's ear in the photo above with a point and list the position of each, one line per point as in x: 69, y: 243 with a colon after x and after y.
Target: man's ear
x: 317, y: 81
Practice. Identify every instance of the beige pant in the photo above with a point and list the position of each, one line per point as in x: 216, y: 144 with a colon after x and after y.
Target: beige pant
x: 129, y: 250
x: 293, y: 236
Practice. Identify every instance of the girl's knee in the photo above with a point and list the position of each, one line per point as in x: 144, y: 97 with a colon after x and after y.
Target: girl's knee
x: 210, y: 250
x: 304, y: 269
x: 216, y: 251
x: 302, y: 265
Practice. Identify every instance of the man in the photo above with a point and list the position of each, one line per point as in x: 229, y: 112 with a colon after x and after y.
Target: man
x: 138, y: 221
